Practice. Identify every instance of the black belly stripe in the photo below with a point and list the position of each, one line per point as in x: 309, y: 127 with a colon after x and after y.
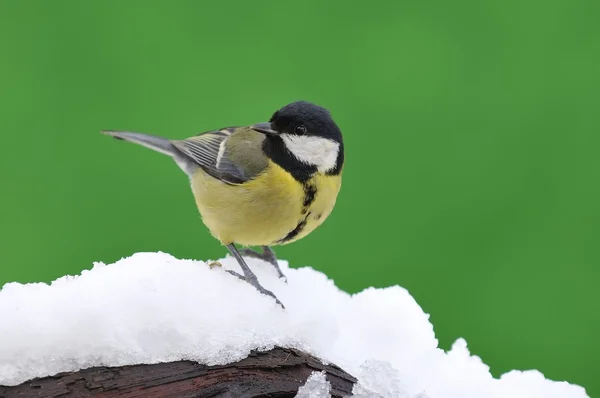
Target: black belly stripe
x: 294, y: 232
x: 310, y: 191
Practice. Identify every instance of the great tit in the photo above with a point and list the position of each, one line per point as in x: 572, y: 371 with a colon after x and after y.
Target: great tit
x: 266, y: 184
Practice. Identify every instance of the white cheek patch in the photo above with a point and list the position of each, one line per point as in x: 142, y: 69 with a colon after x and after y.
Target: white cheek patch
x: 318, y: 151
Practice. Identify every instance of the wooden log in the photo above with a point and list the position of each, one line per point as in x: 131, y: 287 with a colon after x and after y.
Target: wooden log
x: 277, y: 373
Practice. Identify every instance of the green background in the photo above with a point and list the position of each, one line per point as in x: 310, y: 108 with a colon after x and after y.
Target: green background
x: 471, y: 128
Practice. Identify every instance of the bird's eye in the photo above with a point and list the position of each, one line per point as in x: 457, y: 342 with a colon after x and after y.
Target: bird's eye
x: 300, y: 130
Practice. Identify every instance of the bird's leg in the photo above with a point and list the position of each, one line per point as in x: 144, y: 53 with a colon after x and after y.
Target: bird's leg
x: 249, y: 275
x: 267, y: 255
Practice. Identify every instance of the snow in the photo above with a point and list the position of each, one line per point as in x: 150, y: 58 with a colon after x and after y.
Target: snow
x: 316, y: 386
x: 152, y: 307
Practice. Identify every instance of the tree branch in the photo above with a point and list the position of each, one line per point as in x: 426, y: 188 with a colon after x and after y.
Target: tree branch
x: 277, y: 373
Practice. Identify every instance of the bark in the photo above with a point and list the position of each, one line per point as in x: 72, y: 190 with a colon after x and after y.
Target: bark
x: 275, y: 374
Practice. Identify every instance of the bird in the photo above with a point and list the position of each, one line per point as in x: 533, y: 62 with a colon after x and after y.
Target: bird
x: 265, y: 184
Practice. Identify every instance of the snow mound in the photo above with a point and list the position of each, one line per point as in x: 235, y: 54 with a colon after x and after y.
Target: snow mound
x: 152, y: 307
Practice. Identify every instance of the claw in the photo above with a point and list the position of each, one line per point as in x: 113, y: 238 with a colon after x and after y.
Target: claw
x: 249, y: 276
x: 236, y: 274
x: 257, y: 287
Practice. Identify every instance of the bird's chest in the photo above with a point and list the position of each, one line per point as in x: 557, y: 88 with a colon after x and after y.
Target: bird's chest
x: 273, y: 209
x: 318, y: 199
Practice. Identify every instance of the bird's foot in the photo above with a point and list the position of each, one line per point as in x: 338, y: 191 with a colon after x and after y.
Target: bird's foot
x: 214, y: 264
x: 257, y: 286
x: 267, y: 255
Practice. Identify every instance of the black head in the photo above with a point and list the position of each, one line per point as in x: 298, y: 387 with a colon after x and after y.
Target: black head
x: 303, y: 138
x: 302, y: 118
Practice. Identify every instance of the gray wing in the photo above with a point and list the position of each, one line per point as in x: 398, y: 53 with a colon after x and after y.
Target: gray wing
x: 212, y: 151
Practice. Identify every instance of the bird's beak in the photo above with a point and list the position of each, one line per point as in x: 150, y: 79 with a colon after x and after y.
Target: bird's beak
x: 264, y: 128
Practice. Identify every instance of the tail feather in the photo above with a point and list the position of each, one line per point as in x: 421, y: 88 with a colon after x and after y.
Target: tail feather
x: 158, y: 144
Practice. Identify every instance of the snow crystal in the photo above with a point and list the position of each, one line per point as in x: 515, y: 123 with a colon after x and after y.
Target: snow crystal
x: 316, y: 386
x: 152, y: 307
x: 378, y: 379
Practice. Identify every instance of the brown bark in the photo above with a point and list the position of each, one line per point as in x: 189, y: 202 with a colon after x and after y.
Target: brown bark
x: 275, y: 374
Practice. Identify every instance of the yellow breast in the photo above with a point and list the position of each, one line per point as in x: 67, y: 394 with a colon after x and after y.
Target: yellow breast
x: 272, y: 209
